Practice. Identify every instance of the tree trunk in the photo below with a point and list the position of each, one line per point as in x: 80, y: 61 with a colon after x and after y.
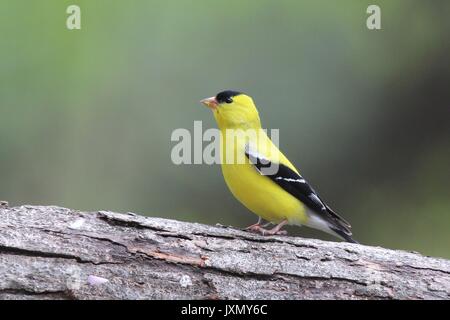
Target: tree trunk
x: 58, y: 253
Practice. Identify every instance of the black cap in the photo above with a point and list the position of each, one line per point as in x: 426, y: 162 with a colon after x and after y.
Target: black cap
x: 226, y: 96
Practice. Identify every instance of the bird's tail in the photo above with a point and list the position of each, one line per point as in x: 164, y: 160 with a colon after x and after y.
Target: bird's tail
x: 331, y: 223
x: 339, y: 226
x: 344, y: 234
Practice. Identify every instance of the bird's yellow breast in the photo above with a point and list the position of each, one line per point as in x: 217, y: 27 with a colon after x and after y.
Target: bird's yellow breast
x: 257, y: 192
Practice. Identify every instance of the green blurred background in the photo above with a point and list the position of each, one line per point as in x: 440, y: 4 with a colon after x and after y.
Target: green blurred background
x: 86, y: 116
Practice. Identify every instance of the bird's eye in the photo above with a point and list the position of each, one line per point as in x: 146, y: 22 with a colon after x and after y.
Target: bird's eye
x: 228, y: 100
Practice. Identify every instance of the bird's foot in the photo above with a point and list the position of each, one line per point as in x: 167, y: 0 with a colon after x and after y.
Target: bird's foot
x: 253, y: 227
x: 256, y: 228
x: 264, y: 232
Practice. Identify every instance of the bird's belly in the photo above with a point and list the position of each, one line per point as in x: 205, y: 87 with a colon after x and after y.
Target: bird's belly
x: 262, y: 196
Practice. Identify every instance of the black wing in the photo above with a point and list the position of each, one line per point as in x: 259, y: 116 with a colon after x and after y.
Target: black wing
x: 298, y: 187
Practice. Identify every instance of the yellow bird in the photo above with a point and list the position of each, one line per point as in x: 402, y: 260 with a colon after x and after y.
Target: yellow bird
x: 261, y: 177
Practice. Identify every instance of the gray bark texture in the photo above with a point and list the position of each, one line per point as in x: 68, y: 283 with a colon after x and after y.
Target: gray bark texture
x: 57, y: 253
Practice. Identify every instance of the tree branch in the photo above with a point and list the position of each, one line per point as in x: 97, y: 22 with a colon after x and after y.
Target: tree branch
x: 57, y: 253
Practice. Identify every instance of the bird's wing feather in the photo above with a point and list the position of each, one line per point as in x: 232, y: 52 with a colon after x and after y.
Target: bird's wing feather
x: 297, y: 186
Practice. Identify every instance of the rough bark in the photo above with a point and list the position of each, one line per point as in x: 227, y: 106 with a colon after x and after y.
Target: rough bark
x: 58, y: 253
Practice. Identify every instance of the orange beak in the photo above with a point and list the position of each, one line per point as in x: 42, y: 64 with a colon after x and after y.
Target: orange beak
x: 210, y: 103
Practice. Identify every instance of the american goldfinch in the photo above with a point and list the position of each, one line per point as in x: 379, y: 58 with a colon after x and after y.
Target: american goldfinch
x: 280, y: 195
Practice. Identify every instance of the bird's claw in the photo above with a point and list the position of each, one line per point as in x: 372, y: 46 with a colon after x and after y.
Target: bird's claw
x: 281, y: 233
x: 253, y: 227
x: 264, y: 232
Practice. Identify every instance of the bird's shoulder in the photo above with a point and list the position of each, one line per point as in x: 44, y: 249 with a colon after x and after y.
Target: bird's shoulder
x: 266, y: 150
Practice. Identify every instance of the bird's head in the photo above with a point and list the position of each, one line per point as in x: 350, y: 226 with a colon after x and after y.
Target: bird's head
x: 233, y: 109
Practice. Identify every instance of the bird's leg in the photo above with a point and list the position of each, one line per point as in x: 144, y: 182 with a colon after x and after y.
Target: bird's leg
x: 274, y: 231
x: 254, y: 226
x: 277, y: 229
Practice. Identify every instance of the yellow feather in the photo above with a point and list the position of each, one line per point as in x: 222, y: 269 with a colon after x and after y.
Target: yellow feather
x: 255, y: 191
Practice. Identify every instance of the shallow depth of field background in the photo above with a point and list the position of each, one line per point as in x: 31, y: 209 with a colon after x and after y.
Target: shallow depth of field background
x: 86, y: 116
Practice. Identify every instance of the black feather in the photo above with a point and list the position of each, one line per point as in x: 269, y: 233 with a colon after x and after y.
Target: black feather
x: 226, y: 96
x: 298, y: 187
x: 344, y: 235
